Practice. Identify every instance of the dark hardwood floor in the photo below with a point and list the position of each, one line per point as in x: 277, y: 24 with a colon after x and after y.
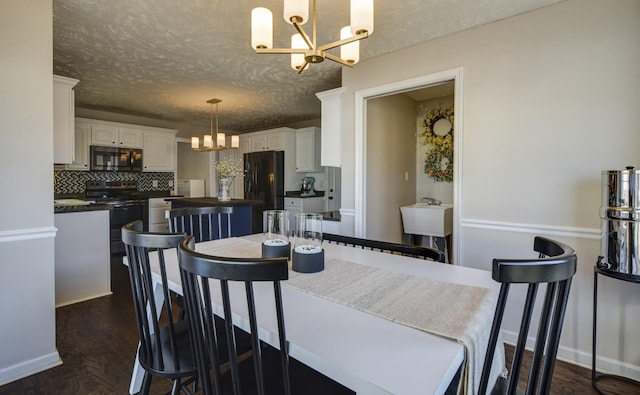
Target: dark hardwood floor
x: 97, y: 340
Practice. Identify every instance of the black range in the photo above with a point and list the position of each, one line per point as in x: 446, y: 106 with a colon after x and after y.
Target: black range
x: 127, y: 204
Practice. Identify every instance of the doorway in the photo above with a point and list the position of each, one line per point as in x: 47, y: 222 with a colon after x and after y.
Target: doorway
x: 371, y: 160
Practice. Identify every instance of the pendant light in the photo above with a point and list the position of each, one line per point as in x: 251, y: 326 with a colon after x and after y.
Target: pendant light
x: 304, y: 49
x: 220, y: 138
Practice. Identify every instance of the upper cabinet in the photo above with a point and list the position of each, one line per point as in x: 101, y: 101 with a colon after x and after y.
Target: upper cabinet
x: 82, y: 139
x: 158, y: 151
x: 331, y: 122
x: 308, y: 150
x: 280, y: 139
x: 110, y: 135
x: 63, y: 119
x: 158, y: 144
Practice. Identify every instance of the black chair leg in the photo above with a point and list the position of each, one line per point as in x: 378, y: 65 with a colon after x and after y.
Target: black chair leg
x: 146, y: 384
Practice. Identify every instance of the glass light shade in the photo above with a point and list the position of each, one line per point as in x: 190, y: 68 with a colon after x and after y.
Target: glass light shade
x: 261, y: 28
x: 235, y: 141
x: 297, y: 59
x: 195, y: 142
x: 296, y: 8
x: 208, y: 141
x: 361, y: 16
x: 221, y: 139
x: 349, y: 52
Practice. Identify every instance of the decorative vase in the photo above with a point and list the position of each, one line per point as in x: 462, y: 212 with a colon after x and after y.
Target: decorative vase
x: 223, y: 191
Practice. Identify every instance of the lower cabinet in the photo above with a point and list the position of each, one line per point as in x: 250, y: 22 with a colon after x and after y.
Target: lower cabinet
x: 82, y: 258
x: 157, y: 220
x: 304, y: 205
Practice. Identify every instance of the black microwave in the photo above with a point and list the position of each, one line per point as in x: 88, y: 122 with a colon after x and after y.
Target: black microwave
x: 115, y: 158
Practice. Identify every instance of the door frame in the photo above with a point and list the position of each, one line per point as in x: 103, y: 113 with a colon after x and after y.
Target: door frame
x: 360, y: 113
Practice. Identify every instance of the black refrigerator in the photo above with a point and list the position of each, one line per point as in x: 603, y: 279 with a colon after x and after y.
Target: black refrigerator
x: 264, y: 181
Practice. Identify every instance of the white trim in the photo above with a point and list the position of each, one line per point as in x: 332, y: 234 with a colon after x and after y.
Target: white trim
x: 30, y: 367
x: 360, y: 115
x: 84, y: 299
x: 577, y: 357
x: 347, y: 212
x: 547, y: 230
x: 48, y: 232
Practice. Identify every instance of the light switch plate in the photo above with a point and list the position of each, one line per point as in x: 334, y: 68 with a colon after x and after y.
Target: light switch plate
x: 154, y: 183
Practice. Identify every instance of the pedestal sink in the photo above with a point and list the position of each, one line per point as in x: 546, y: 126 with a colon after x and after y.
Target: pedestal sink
x: 428, y: 220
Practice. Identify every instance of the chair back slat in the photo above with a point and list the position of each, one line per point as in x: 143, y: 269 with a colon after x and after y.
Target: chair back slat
x: 164, y: 349
x: 554, y: 268
x: 383, y: 246
x: 204, y: 223
x: 196, y: 272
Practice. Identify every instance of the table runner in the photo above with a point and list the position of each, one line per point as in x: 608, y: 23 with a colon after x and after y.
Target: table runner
x: 460, y: 312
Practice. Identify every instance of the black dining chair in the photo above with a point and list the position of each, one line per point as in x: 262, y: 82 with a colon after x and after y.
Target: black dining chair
x: 203, y: 223
x: 555, y: 268
x: 383, y: 246
x: 165, y: 348
x: 196, y: 270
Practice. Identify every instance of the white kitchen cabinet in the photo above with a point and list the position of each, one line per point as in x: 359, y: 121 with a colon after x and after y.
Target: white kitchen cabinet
x: 82, y: 137
x: 116, y: 136
x: 331, y: 122
x: 157, y: 220
x: 259, y: 143
x: 279, y: 139
x: 158, y: 151
x: 308, y: 150
x: 304, y: 205
x: 63, y: 119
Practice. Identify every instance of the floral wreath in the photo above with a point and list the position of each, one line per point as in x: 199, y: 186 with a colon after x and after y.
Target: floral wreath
x: 439, y: 161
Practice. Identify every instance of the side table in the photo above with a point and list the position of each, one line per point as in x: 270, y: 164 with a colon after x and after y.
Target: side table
x: 595, y: 376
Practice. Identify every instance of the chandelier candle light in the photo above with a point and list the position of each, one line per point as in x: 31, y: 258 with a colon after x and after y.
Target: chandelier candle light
x: 304, y: 49
x: 207, y: 141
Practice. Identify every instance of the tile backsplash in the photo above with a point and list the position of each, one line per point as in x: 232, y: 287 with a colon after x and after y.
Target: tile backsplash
x: 69, y: 181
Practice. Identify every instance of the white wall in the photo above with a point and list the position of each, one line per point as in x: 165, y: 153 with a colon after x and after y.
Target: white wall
x: 27, y: 331
x: 551, y: 99
x: 390, y: 151
x: 193, y: 164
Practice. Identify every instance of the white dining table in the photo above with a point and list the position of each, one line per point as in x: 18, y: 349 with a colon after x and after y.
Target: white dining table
x: 364, y: 352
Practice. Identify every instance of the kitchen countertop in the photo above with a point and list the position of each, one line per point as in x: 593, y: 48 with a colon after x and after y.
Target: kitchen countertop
x: 212, y: 201
x: 67, y: 208
x: 84, y: 207
x: 297, y: 194
x: 331, y: 216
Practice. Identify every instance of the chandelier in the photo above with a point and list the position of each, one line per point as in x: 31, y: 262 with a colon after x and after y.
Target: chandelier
x: 207, y: 140
x: 304, y: 49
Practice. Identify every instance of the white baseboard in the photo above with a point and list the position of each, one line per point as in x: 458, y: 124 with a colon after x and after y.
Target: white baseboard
x: 583, y: 359
x: 84, y: 299
x: 27, y: 368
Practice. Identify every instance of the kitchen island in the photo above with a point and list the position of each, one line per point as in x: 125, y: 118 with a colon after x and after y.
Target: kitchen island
x: 247, y: 214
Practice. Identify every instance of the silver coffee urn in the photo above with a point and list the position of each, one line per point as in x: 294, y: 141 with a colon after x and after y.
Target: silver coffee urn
x: 620, y: 214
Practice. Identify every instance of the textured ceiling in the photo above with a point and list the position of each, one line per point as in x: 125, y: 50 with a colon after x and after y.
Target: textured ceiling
x: 164, y: 59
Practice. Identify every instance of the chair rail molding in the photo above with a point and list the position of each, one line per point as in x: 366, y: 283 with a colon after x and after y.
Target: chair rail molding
x: 47, y: 232
x: 537, y: 229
